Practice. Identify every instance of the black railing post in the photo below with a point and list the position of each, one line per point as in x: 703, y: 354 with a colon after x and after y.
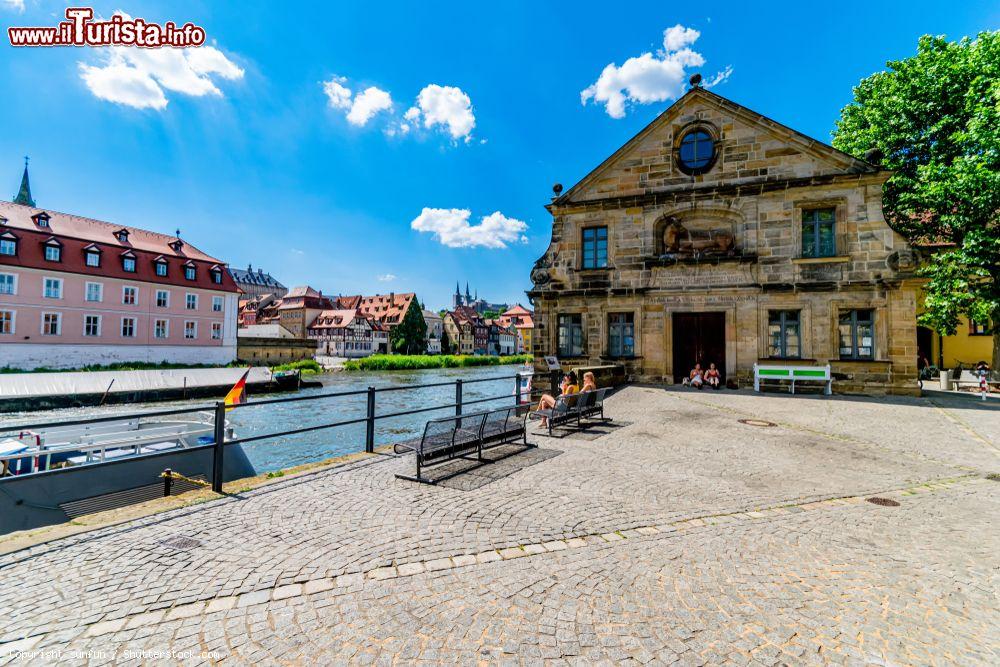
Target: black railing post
x: 517, y: 388
x: 370, y: 423
x: 218, y: 458
x: 458, y: 400
x: 167, y: 479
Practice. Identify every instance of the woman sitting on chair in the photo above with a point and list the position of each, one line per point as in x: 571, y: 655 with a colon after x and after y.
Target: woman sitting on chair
x: 567, y: 387
x: 589, y: 382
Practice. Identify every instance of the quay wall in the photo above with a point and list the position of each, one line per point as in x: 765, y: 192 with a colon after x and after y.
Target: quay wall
x: 28, y: 356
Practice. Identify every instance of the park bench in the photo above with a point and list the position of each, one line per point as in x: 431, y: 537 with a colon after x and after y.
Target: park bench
x: 793, y: 374
x: 573, y: 407
x: 463, y: 437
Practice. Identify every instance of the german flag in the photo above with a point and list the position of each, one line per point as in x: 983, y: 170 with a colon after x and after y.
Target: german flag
x: 238, y: 394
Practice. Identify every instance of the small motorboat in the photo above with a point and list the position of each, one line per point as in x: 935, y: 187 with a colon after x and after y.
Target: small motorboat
x: 55, y: 473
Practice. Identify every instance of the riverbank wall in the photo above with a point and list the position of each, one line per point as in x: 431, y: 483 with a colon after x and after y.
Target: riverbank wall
x: 45, y: 391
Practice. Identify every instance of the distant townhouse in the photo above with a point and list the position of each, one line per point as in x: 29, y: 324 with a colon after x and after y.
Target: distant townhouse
x: 296, y: 310
x: 435, y: 330
x: 250, y: 309
x: 257, y: 283
x: 502, y: 338
x: 387, y: 310
x: 343, y: 333
x: 76, y: 291
x: 523, y: 322
x: 460, y: 333
x: 471, y: 329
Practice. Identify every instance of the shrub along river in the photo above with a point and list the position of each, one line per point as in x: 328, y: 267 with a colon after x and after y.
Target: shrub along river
x: 286, y: 451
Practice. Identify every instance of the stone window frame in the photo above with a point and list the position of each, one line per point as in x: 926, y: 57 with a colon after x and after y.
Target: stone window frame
x: 583, y: 334
x: 880, y: 322
x: 605, y: 335
x: 580, y: 258
x: 839, y: 206
x: 682, y: 132
x: 807, y: 351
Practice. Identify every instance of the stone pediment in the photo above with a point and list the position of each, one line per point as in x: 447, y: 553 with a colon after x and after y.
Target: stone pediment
x: 746, y: 146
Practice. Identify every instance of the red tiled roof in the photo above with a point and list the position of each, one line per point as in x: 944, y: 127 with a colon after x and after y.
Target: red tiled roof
x: 96, y: 231
x: 336, y: 319
x: 386, y: 308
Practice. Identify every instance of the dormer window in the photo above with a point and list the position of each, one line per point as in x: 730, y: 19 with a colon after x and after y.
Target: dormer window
x: 176, y: 245
x: 189, y: 271
x: 122, y: 235
x: 128, y: 262
x: 160, y: 266
x: 8, y: 244
x: 41, y: 219
x: 216, y: 275
x: 53, y: 250
x: 92, y: 254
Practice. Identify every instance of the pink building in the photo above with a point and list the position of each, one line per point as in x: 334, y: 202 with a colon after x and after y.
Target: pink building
x: 76, y: 291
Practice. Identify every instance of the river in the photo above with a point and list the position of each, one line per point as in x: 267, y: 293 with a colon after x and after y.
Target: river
x: 278, y: 453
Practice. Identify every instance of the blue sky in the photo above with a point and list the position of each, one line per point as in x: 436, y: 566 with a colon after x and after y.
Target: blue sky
x: 281, y: 151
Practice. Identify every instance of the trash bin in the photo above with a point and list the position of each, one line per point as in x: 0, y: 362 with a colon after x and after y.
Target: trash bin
x: 945, y: 379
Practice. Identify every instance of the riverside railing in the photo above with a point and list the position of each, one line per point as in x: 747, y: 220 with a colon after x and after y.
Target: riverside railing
x: 521, y: 394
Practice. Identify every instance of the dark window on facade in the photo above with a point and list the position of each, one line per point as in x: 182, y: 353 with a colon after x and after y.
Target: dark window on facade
x: 53, y: 253
x: 570, y: 335
x: 93, y: 259
x: 217, y: 277
x: 161, y: 268
x: 128, y: 264
x: 979, y: 329
x: 696, y: 152
x: 621, y: 335
x: 818, y: 238
x: 783, y: 334
x: 189, y: 272
x: 857, y: 334
x: 595, y: 247
x: 8, y: 247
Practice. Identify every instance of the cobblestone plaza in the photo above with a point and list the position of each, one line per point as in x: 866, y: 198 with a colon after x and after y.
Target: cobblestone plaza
x: 675, y: 534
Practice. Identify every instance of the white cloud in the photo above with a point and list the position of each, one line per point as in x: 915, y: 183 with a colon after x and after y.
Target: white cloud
x: 445, y: 106
x: 138, y: 77
x: 720, y: 77
x: 368, y: 103
x: 650, y: 78
x: 363, y: 107
x: 386, y: 277
x: 451, y: 227
x: 16, y: 5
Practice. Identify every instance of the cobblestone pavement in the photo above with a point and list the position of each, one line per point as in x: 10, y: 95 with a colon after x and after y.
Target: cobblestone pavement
x: 682, y: 536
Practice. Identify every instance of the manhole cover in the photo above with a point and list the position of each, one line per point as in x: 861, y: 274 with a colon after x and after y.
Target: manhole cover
x: 181, y: 543
x: 884, y: 502
x: 756, y: 422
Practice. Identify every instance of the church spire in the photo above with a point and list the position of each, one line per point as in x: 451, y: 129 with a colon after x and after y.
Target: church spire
x: 24, y: 194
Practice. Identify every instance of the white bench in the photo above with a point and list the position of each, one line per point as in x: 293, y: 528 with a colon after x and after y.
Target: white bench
x: 972, y: 378
x: 793, y: 374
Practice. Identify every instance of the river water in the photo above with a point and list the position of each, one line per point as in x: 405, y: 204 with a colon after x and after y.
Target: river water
x: 286, y: 451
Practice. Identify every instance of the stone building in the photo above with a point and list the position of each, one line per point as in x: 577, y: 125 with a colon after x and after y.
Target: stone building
x: 719, y: 235
x: 257, y: 283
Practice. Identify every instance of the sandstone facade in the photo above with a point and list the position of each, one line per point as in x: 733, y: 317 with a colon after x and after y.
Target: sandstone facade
x: 746, y: 253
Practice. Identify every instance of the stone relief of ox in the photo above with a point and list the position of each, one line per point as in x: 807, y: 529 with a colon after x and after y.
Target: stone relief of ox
x: 679, y: 240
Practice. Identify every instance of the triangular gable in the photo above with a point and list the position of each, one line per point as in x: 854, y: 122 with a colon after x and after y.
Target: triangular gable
x: 53, y: 241
x: 832, y: 160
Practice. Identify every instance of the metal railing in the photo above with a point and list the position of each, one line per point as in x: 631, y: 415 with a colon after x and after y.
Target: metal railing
x: 371, y: 416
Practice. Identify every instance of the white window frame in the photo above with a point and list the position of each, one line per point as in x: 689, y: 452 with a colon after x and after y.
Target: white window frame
x: 13, y: 284
x: 58, y: 317
x: 218, y: 301
x: 125, y: 261
x: 58, y: 281
x: 58, y: 251
x: 100, y: 322
x: 194, y: 330
x: 190, y: 273
x: 166, y: 329
x: 157, y: 266
x: 135, y: 325
x: 12, y: 244
x: 125, y: 289
x: 92, y: 254
x: 100, y: 292
x: 216, y: 330
x: 188, y: 302
x: 166, y: 301
x: 13, y: 322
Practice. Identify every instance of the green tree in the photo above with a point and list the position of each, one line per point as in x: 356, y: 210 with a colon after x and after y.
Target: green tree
x: 410, y: 335
x: 445, y: 342
x: 934, y: 119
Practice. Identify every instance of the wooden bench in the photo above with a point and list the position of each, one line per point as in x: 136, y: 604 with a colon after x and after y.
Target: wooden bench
x: 463, y: 436
x: 793, y: 374
x: 574, y: 407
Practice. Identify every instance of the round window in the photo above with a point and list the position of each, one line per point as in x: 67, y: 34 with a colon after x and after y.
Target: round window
x: 696, y: 152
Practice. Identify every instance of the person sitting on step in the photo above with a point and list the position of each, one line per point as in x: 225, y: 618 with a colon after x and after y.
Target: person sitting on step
x: 696, y: 378
x: 712, y: 376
